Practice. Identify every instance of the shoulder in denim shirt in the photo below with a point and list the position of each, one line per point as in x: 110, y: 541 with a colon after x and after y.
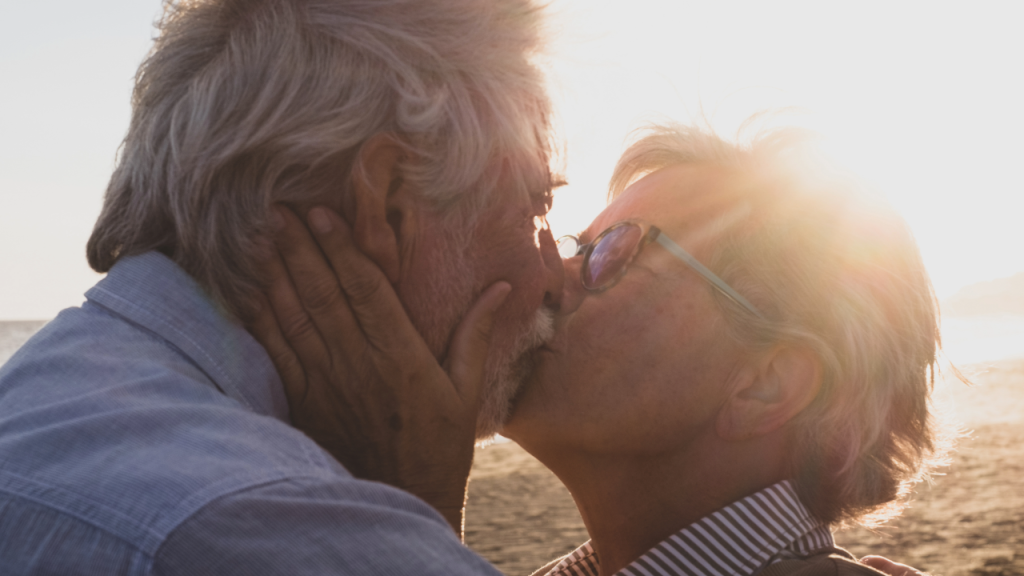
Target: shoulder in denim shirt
x: 146, y: 433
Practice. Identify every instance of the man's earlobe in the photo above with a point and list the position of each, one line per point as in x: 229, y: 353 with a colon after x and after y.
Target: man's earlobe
x: 767, y: 395
x: 380, y: 218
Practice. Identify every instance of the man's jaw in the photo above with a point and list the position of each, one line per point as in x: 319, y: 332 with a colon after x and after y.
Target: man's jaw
x: 507, y: 371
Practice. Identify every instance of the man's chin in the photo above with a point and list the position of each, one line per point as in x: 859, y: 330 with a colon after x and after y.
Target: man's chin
x: 502, y: 393
x: 488, y: 427
x: 509, y: 374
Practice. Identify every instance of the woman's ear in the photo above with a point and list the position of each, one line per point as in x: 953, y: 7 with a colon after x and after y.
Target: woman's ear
x: 384, y: 215
x: 769, y: 393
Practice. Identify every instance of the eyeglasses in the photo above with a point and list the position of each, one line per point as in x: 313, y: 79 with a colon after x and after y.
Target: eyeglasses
x: 606, y: 259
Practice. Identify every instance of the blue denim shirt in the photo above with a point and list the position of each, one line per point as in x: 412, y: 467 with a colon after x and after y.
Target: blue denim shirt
x: 146, y: 432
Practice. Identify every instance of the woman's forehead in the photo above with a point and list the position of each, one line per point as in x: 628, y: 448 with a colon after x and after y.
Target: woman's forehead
x: 672, y: 198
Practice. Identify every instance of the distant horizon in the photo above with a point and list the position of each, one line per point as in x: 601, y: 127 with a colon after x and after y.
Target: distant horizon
x: 967, y: 340
x: 943, y: 301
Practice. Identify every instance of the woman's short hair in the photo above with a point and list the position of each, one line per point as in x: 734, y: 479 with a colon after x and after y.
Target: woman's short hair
x: 837, y: 271
x: 243, y: 103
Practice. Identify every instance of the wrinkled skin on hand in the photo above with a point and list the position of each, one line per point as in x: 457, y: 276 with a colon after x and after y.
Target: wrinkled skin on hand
x: 359, y: 379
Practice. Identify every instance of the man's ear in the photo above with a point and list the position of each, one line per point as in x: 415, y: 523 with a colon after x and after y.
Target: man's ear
x: 769, y: 393
x: 383, y: 213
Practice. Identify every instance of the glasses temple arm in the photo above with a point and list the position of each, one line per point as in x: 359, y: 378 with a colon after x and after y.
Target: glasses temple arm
x: 708, y: 275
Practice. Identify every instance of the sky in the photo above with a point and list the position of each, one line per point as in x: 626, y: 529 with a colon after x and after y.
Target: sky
x: 923, y: 99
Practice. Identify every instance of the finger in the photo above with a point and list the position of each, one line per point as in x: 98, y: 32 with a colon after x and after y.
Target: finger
x: 263, y: 326
x: 891, y: 568
x: 316, y: 284
x: 467, y: 355
x: 373, y: 301
x: 292, y: 321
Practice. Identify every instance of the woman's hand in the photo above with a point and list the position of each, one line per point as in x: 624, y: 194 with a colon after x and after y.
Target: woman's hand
x: 360, y: 380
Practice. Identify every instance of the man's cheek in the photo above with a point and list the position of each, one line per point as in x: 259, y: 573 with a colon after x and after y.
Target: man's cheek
x: 506, y: 324
x: 520, y: 307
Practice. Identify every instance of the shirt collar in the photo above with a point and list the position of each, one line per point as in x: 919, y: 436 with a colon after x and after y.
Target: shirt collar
x: 155, y: 293
x: 740, y: 539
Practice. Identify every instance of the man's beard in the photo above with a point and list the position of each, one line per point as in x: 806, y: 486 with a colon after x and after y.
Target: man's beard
x: 506, y: 372
x: 448, y: 295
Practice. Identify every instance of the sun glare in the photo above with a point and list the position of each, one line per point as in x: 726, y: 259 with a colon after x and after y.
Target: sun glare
x: 917, y: 103
x: 921, y: 100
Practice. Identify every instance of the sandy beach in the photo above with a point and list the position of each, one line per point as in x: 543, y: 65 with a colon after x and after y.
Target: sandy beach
x: 969, y: 521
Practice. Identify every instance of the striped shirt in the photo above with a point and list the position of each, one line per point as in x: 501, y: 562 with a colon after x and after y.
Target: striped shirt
x: 739, y: 540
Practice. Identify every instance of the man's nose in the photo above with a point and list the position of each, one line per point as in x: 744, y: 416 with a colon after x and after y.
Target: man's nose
x: 573, y: 291
x: 554, y: 273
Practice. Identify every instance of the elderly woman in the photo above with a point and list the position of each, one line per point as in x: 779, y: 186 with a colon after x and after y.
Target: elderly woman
x: 742, y: 359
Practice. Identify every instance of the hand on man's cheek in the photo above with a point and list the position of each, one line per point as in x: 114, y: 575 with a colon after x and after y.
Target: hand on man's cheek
x: 360, y: 380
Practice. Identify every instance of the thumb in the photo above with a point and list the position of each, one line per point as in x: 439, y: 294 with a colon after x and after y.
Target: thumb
x: 467, y: 355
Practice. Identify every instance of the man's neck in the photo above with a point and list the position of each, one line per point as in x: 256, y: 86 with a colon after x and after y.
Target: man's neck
x: 629, y: 504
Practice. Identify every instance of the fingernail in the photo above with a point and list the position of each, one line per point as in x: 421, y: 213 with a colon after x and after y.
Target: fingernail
x: 320, y: 221
x: 504, y: 289
x: 276, y: 220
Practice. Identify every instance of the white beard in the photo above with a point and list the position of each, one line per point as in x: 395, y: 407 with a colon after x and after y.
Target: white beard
x: 507, y: 371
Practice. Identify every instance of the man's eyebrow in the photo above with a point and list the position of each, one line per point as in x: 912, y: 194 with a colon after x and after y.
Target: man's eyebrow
x: 546, y: 194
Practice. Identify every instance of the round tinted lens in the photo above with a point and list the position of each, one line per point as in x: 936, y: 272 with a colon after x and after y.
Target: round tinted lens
x: 567, y: 246
x: 610, y: 255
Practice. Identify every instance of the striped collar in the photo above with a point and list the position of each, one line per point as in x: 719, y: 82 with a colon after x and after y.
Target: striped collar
x: 740, y: 539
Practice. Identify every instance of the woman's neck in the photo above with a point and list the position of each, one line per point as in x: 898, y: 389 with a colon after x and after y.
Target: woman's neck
x: 629, y: 504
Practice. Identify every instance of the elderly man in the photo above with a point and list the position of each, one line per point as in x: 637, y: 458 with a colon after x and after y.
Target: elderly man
x: 146, y: 432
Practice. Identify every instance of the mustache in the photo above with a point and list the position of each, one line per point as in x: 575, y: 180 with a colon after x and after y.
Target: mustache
x: 542, y: 329
x: 537, y: 333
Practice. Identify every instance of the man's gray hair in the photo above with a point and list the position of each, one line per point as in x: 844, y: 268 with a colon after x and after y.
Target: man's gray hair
x: 243, y: 103
x: 838, y: 273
